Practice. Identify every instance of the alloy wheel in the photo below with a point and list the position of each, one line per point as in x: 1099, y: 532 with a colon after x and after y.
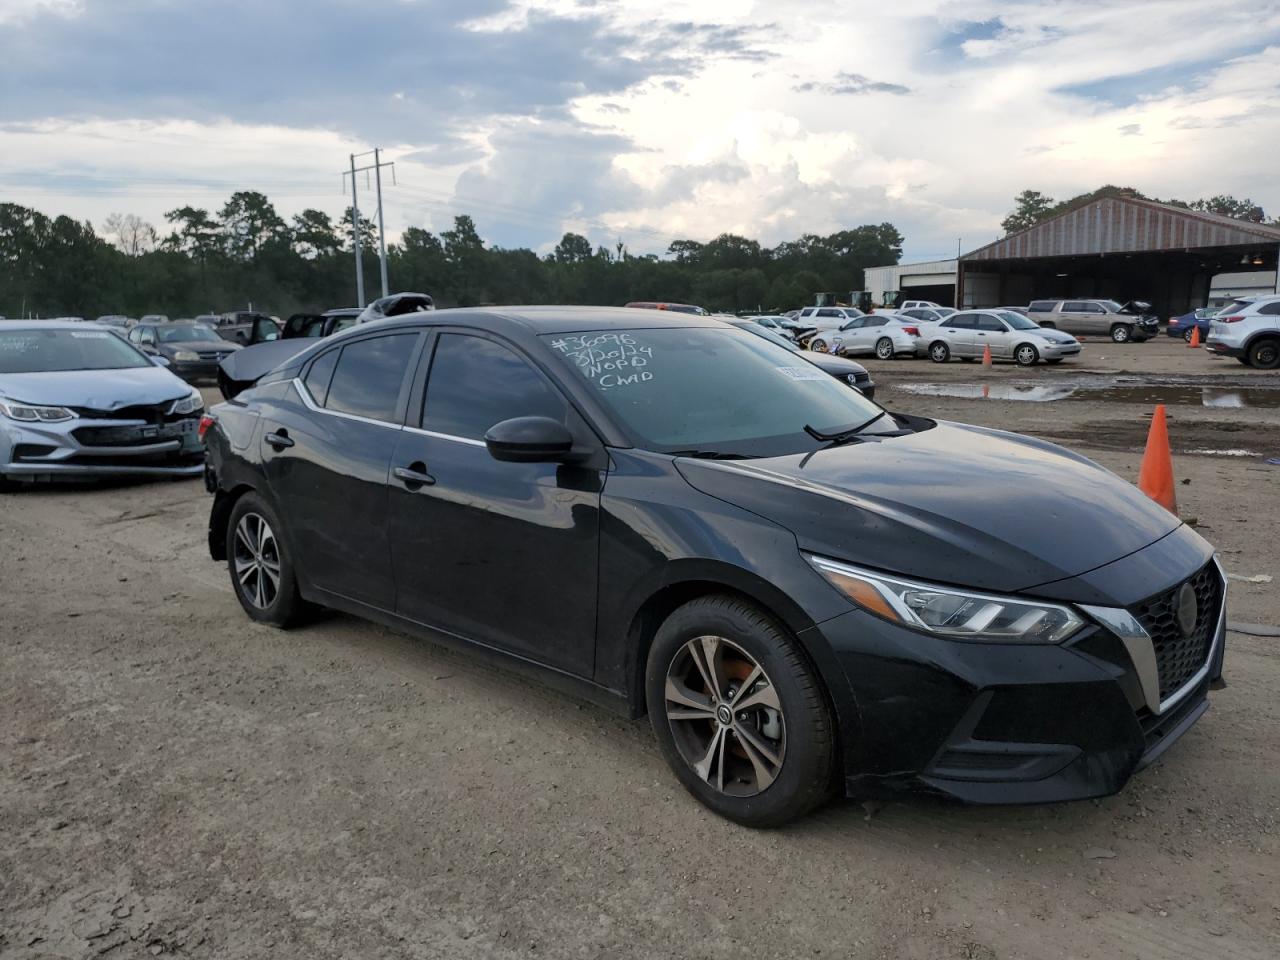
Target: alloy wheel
x: 257, y: 561
x: 725, y: 716
x: 818, y: 346
x: 1026, y: 355
x: 884, y: 349
x: 1120, y: 334
x: 1186, y: 334
x: 939, y: 353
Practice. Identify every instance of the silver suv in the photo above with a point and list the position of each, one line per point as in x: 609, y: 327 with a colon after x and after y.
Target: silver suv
x: 1122, y: 322
x: 1248, y: 329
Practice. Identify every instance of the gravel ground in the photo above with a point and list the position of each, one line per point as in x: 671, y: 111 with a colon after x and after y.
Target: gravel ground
x: 177, y: 780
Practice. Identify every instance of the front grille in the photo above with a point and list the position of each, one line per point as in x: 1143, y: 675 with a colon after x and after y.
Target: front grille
x: 218, y: 355
x: 153, y: 413
x: 132, y: 436
x: 1178, y: 655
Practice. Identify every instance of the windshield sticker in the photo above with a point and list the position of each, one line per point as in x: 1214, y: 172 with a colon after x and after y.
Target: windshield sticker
x: 89, y: 335
x: 802, y: 373
x: 609, y: 360
x: 16, y: 344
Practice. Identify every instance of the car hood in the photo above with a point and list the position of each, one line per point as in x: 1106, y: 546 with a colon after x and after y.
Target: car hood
x: 953, y: 504
x: 250, y: 364
x: 1053, y: 336
x: 94, y: 389
x: 836, y: 366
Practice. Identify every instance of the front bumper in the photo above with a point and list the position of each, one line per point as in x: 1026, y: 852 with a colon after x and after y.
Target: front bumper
x: 90, y: 447
x: 193, y: 370
x: 1000, y: 723
x: 1057, y: 351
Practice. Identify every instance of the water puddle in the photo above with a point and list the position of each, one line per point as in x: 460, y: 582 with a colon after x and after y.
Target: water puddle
x: 1103, y: 390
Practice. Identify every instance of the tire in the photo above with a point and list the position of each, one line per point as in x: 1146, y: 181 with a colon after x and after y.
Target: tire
x: 1186, y: 334
x: 740, y: 780
x: 884, y: 348
x: 266, y: 599
x: 1026, y: 355
x: 818, y: 345
x: 939, y: 352
x: 1121, y: 333
x: 1055, y: 360
x: 1264, y: 354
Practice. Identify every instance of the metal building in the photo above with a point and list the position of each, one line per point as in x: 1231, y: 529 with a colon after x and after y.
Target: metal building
x: 930, y: 280
x: 1117, y: 248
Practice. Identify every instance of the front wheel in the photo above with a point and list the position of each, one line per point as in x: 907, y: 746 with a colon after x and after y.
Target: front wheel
x: 262, y: 572
x: 818, y: 345
x: 884, y: 348
x: 1186, y: 334
x: 739, y: 713
x: 1265, y: 354
x: 1026, y: 355
x: 1121, y: 333
x: 939, y: 352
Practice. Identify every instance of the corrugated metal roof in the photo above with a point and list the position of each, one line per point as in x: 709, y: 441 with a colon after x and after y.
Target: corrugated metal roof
x: 1125, y: 225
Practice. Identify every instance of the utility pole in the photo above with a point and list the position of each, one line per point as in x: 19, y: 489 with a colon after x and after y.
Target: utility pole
x: 376, y: 167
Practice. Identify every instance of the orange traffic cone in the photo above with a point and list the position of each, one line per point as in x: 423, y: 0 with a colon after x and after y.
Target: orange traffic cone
x: 1155, y: 479
x: 986, y: 392
x: 1195, y: 337
x: 986, y: 354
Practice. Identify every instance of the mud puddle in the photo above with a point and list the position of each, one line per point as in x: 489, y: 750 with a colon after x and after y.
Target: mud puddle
x: 1105, y: 390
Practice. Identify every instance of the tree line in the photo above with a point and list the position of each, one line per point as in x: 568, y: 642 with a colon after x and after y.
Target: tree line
x: 1031, y: 206
x: 246, y: 252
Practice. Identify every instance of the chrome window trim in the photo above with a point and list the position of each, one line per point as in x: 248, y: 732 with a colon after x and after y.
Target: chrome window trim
x: 1142, y: 651
x: 444, y: 436
x: 311, y: 405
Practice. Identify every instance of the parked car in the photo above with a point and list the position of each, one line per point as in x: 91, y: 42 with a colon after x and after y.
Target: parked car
x: 1011, y: 336
x: 674, y: 307
x: 153, y: 318
x: 193, y: 350
x: 844, y: 370
x: 1249, y: 330
x: 881, y: 334
x: 113, y: 320
x: 917, y: 304
x: 77, y: 401
x: 245, y: 327
x: 1183, y: 325
x: 776, y: 322
x: 397, y: 305
x: 1123, y: 323
x: 827, y: 318
x: 925, y: 314
x: 805, y: 592
x: 1026, y: 312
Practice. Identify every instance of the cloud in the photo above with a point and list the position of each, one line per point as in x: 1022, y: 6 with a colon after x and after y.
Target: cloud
x: 1131, y: 130
x: 850, y: 84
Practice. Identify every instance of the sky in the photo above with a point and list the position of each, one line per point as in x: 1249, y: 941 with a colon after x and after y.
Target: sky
x: 639, y: 121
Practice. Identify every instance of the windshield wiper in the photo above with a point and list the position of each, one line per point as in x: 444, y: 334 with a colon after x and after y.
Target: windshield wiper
x: 708, y: 455
x: 843, y: 436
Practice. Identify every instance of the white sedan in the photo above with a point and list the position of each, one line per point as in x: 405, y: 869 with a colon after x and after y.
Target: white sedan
x: 883, y: 333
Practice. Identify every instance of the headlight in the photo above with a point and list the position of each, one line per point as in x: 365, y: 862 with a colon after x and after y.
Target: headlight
x: 29, y: 413
x: 185, y: 356
x: 960, y: 614
x: 188, y: 404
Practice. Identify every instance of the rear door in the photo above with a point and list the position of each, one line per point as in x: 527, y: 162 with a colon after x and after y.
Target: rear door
x: 504, y: 554
x: 327, y: 452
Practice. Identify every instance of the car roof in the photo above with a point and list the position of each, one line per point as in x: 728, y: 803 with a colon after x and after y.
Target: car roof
x: 553, y: 319
x: 52, y: 325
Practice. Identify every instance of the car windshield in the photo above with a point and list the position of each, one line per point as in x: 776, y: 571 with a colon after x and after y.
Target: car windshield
x: 769, y: 335
x: 1017, y: 320
x: 713, y: 391
x: 45, y: 351
x: 194, y: 333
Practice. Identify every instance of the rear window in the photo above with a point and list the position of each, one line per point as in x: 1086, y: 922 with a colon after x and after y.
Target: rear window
x: 46, y: 351
x: 368, y: 377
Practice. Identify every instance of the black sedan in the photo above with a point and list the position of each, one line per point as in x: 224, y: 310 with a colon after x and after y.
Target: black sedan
x: 193, y: 350
x: 672, y: 516
x: 842, y: 368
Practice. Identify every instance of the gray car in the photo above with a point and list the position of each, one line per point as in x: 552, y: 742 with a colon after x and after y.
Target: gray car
x: 1011, y: 336
x: 78, y: 401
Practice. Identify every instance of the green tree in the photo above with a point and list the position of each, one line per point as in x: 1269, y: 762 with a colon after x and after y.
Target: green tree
x: 249, y: 224
x: 368, y: 237
x: 314, y: 235
x: 1227, y: 206
x: 1029, y: 208
x: 572, y: 248
x: 195, y: 232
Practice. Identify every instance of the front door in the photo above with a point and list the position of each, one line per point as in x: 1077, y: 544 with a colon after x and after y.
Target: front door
x: 991, y: 332
x: 326, y: 448
x: 504, y: 554
x: 960, y: 330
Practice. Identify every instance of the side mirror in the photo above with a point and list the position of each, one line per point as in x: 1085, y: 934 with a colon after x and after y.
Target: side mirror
x: 529, y: 440
x: 160, y: 361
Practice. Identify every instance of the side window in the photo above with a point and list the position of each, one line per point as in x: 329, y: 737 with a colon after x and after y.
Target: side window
x: 148, y: 336
x: 1270, y: 309
x: 368, y: 377
x: 962, y: 321
x: 830, y: 313
x: 875, y: 320
x: 318, y: 377
x: 475, y: 383
x: 1041, y: 306
x: 1092, y: 308
x: 988, y: 322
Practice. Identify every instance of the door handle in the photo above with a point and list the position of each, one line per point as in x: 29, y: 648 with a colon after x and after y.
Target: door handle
x: 279, y: 440
x: 414, y: 476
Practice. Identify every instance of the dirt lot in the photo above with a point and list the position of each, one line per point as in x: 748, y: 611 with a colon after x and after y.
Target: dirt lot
x: 176, y: 780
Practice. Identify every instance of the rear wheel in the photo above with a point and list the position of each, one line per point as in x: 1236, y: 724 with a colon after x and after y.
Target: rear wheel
x: 884, y: 348
x: 1026, y: 355
x: 1265, y: 354
x: 939, y: 352
x: 739, y: 714
x: 262, y: 572
x: 1121, y: 333
x: 818, y: 345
